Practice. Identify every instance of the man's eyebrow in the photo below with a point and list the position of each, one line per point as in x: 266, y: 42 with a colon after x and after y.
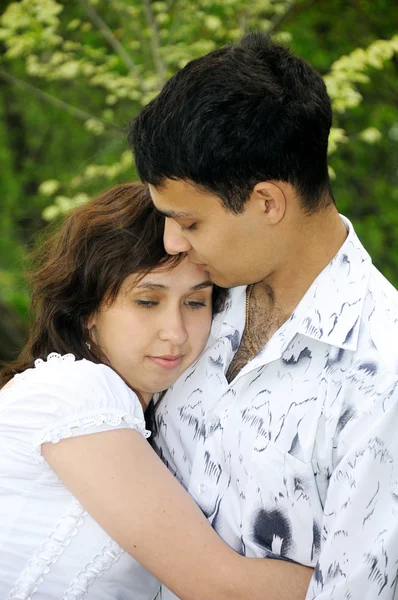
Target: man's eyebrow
x: 171, y: 214
x: 147, y: 285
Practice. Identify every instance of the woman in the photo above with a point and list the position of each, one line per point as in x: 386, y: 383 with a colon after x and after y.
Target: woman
x: 87, y: 509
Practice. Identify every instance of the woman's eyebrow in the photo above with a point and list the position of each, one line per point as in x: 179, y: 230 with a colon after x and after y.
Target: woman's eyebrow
x: 147, y: 285
x: 151, y: 286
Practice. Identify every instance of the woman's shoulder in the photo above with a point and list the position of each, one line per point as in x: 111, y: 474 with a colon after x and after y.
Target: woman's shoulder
x: 66, y: 370
x: 62, y: 397
x: 75, y: 383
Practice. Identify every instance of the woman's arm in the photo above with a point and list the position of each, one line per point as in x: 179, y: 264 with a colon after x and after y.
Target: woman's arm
x: 123, y: 484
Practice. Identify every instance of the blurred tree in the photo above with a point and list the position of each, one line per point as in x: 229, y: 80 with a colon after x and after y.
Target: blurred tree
x: 73, y: 73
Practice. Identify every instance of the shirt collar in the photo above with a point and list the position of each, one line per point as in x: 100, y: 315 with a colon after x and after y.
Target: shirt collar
x: 330, y: 311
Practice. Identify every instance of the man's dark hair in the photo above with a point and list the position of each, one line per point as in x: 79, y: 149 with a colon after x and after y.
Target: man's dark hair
x: 243, y: 114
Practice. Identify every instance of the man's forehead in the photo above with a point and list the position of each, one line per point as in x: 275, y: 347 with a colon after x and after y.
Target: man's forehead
x: 169, y: 205
x: 172, y: 214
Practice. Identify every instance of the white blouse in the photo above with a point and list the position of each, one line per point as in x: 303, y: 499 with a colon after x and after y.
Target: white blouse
x: 50, y: 547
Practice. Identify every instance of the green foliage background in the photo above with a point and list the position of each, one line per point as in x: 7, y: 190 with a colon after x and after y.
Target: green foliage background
x: 72, y: 73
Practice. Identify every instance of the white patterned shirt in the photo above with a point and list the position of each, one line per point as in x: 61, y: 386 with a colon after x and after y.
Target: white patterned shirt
x: 297, y: 457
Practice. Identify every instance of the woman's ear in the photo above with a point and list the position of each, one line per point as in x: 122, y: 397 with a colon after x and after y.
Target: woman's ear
x: 89, y: 328
x: 91, y: 322
x: 90, y: 332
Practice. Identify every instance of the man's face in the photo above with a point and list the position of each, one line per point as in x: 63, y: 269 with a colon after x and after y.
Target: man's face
x: 232, y: 248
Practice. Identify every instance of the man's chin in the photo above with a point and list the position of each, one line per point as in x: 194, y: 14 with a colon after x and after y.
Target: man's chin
x: 221, y: 281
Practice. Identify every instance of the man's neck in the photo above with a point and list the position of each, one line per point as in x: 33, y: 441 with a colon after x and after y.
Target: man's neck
x: 273, y: 300
x: 318, y: 239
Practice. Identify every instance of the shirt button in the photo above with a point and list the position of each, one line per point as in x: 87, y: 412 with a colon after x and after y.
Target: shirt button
x: 202, y: 488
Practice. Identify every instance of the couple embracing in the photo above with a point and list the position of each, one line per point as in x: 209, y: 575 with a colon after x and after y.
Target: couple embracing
x: 260, y: 341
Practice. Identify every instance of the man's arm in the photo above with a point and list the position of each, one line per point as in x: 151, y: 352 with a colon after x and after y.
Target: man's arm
x: 359, y: 547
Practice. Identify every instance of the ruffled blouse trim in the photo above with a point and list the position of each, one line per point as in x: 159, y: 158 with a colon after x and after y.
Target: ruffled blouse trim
x: 102, y: 562
x: 50, y: 550
x: 52, y: 359
x: 56, y: 434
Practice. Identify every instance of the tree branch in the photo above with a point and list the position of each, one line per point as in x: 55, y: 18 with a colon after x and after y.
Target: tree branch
x: 111, y: 39
x: 278, y: 19
x: 295, y: 7
x: 160, y: 67
x: 68, y: 108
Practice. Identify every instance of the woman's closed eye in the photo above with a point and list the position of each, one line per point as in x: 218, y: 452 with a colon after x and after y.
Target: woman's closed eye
x: 195, y: 304
x: 147, y: 303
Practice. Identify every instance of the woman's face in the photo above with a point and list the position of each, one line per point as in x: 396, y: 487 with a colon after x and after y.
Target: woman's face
x: 156, y: 327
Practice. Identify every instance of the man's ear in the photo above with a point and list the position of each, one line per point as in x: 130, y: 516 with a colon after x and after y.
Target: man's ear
x: 272, y: 199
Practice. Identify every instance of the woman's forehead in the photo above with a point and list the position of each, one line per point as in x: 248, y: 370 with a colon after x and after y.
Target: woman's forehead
x: 183, y: 276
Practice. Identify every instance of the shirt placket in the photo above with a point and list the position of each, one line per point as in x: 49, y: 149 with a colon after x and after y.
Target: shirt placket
x: 208, y: 477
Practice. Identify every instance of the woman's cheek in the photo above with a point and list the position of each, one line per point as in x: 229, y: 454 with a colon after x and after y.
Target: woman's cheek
x: 204, y: 332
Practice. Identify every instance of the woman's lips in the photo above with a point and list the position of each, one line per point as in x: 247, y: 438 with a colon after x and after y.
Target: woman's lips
x: 167, y: 362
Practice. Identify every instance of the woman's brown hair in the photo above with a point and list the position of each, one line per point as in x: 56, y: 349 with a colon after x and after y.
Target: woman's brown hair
x: 85, y: 262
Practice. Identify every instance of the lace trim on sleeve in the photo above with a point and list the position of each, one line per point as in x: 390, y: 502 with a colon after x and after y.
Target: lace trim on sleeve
x: 19, y: 378
x: 54, y: 359
x: 66, y: 431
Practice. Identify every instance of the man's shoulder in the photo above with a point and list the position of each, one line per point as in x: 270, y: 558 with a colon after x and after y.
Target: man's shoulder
x: 381, y: 301
x: 380, y: 318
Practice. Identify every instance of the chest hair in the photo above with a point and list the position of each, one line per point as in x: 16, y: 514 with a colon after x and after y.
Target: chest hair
x: 264, y: 320
x: 241, y: 358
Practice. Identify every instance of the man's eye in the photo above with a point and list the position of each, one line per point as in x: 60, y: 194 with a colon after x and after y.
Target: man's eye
x: 189, y: 228
x: 146, y: 303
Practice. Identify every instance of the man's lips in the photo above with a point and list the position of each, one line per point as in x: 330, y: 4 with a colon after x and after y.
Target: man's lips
x: 167, y: 361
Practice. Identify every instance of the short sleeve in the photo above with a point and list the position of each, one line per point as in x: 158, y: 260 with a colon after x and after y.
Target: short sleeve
x: 63, y: 398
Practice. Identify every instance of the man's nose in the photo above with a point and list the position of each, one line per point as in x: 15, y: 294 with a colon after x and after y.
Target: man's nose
x: 174, y: 242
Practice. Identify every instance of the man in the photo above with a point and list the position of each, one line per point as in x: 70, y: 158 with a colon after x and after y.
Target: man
x: 284, y: 432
